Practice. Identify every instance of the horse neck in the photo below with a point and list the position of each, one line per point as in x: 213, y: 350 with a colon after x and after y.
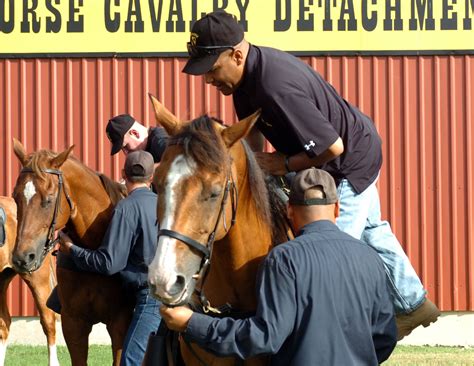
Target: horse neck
x: 237, y: 256
x: 92, y: 205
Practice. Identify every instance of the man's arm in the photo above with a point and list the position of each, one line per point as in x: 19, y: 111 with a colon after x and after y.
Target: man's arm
x: 275, y: 164
x: 112, y: 255
x: 263, y: 333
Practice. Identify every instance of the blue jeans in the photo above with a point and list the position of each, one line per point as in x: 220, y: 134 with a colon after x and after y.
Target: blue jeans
x: 146, y: 319
x: 360, y: 217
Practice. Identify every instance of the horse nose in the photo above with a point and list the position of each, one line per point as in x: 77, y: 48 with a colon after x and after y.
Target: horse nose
x: 23, y: 262
x: 178, y: 286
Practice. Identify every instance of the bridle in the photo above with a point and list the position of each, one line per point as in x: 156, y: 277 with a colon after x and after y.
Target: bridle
x: 206, y: 250
x: 50, y: 241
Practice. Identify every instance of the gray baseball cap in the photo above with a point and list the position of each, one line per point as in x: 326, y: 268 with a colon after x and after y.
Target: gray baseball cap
x: 139, y: 164
x: 311, y: 178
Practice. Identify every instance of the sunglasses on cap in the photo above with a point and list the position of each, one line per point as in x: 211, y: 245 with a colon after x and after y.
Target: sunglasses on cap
x: 201, y: 51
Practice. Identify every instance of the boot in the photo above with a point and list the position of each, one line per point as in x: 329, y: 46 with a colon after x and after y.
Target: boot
x: 425, y: 314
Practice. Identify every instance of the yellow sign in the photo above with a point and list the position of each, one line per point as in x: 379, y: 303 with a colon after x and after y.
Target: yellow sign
x: 162, y: 27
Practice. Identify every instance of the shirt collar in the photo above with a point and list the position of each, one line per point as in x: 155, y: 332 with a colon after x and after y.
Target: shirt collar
x: 320, y: 225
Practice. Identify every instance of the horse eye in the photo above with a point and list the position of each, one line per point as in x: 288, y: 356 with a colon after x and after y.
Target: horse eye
x: 47, y: 202
x: 215, y: 192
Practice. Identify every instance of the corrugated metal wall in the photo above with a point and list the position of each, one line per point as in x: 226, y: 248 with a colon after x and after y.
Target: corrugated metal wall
x: 422, y: 106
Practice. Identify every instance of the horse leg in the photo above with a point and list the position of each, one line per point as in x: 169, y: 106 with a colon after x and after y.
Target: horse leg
x: 41, y: 283
x: 5, y: 319
x: 76, y: 334
x: 117, y: 329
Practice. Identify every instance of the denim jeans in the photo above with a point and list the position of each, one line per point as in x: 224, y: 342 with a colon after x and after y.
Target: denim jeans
x: 360, y: 217
x: 146, y: 319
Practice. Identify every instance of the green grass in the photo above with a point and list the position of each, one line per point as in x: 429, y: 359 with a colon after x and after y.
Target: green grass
x: 102, y: 355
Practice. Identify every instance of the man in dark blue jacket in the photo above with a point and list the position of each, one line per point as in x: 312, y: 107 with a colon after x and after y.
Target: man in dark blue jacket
x: 128, y: 248
x: 323, y: 297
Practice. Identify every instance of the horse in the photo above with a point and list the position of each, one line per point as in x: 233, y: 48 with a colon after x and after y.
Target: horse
x: 40, y: 283
x: 54, y: 191
x: 213, y: 206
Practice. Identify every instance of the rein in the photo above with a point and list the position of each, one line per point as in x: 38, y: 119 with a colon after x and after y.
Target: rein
x: 50, y: 241
x: 206, y: 250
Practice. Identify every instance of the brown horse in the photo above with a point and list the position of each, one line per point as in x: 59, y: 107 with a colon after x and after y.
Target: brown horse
x: 210, y: 188
x: 55, y: 191
x: 39, y: 282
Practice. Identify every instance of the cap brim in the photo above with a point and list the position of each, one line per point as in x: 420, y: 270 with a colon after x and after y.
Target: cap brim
x: 116, y: 147
x: 200, y: 65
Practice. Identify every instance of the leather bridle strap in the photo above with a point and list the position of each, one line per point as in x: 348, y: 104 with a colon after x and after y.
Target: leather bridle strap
x: 187, y: 240
x: 50, y: 242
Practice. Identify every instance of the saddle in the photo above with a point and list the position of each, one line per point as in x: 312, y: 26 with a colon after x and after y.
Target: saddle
x: 3, y: 232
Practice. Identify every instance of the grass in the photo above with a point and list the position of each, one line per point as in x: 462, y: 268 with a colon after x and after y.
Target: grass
x: 102, y: 355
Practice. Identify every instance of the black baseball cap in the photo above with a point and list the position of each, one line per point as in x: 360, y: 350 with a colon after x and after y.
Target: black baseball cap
x: 116, y: 130
x: 139, y: 164
x: 311, y: 178
x: 210, y: 36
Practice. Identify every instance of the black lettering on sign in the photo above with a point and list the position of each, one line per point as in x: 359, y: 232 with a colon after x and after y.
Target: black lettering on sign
x: 216, y: 6
x: 75, y: 25
x: 178, y: 12
x: 368, y: 24
x: 448, y: 23
x: 134, y: 10
x: 6, y: 26
x: 347, y: 8
x: 111, y: 24
x: 467, y: 22
x: 421, y: 7
x: 327, y: 22
x: 53, y: 25
x: 397, y: 23
x: 155, y: 14
x: 25, y: 23
x: 280, y: 24
x: 243, y: 13
x: 305, y: 24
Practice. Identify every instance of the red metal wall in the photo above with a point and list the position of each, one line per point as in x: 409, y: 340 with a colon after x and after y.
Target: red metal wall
x: 422, y: 106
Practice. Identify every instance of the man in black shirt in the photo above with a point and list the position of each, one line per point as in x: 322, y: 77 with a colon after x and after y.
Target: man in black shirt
x: 127, y: 134
x: 309, y: 124
x: 323, y: 297
x: 127, y: 248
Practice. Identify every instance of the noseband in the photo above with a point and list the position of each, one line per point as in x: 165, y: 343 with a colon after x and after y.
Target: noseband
x: 50, y: 241
x: 206, y: 250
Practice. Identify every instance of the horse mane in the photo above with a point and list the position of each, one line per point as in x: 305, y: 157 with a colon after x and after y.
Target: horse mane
x: 116, y: 191
x: 201, y: 142
x: 38, y: 161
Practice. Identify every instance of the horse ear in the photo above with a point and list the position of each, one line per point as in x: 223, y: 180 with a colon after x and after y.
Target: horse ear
x: 240, y: 129
x: 59, y: 159
x: 164, y: 117
x: 20, y: 151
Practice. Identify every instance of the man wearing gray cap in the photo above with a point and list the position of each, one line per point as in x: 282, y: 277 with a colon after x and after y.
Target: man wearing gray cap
x: 128, y: 248
x: 323, y: 297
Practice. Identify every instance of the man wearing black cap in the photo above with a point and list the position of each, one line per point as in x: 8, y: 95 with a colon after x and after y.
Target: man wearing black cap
x: 127, y: 134
x: 128, y: 248
x: 309, y: 124
x: 323, y: 297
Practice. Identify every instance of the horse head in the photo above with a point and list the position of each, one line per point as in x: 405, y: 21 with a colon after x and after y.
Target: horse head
x: 197, y: 196
x: 43, y: 205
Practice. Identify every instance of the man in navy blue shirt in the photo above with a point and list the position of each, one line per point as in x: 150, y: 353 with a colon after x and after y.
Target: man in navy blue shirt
x: 322, y: 297
x: 310, y: 125
x: 127, y: 248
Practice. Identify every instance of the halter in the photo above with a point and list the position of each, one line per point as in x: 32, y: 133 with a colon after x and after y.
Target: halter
x: 206, y: 250
x: 50, y: 241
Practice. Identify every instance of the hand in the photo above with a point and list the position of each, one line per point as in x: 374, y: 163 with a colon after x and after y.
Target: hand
x: 65, y: 242
x: 177, y: 318
x: 271, y: 163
